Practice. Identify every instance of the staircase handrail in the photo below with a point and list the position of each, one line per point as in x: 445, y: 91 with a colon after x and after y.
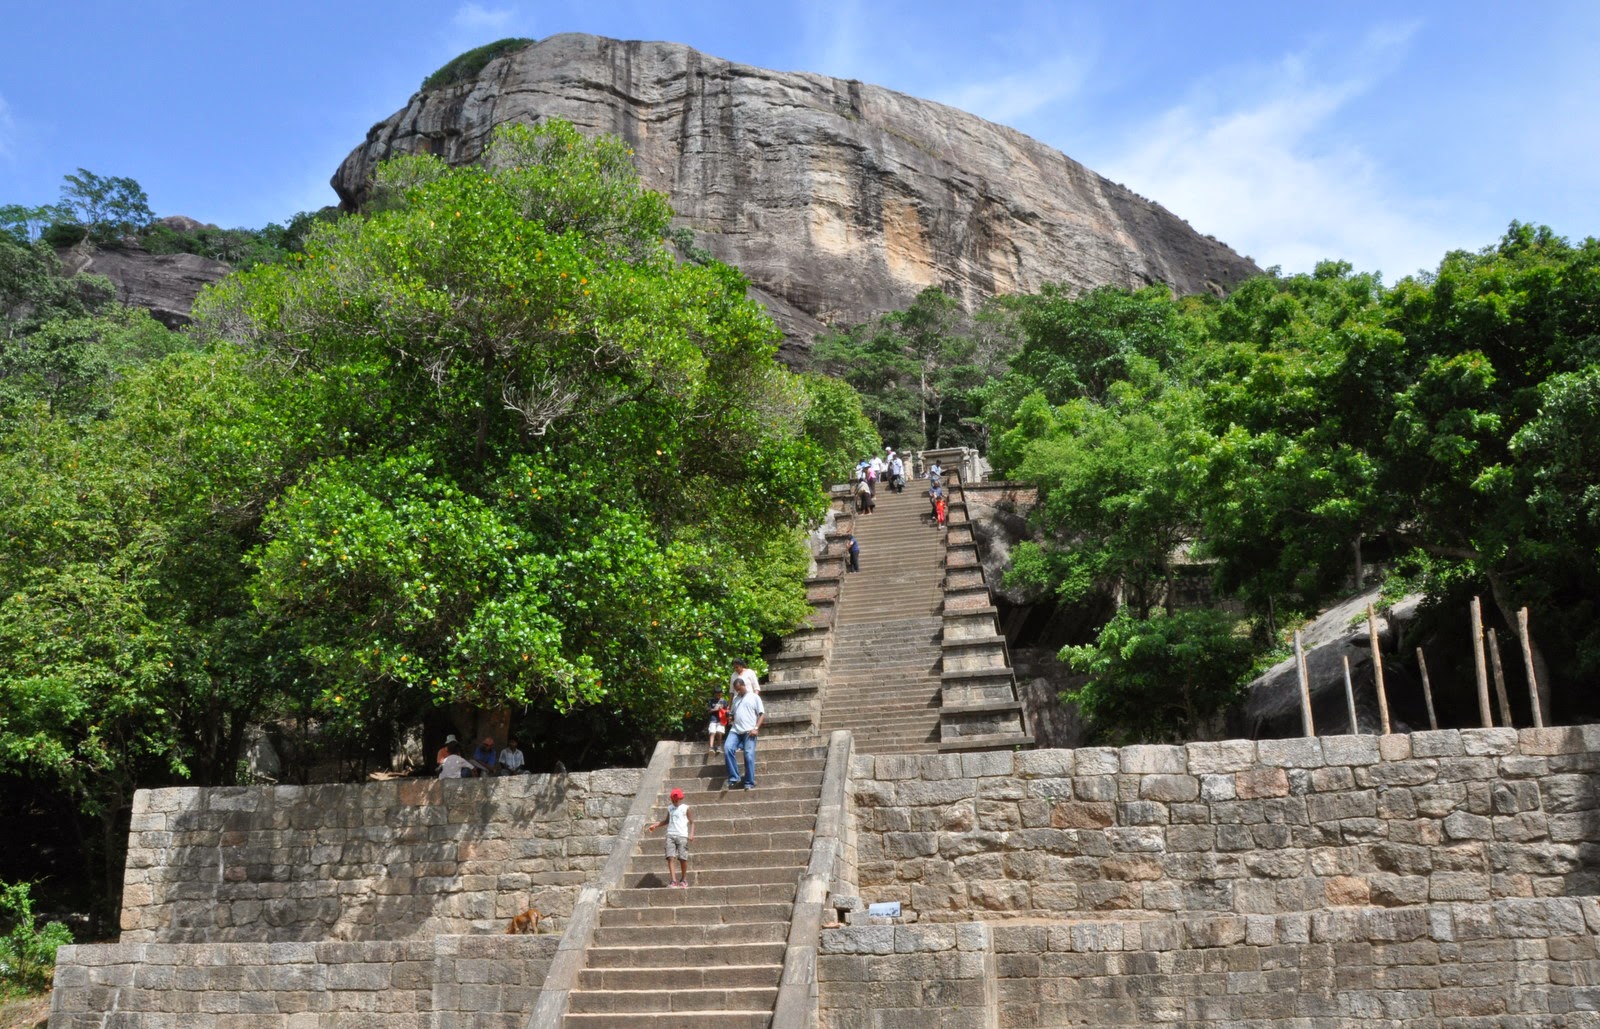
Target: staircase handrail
x: 798, y: 992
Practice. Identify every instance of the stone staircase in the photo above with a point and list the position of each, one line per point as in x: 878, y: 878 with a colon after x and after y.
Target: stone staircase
x: 884, y: 678
x: 711, y: 955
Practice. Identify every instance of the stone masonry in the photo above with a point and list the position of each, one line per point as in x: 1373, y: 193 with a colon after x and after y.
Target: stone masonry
x: 1437, y: 879
x: 374, y: 861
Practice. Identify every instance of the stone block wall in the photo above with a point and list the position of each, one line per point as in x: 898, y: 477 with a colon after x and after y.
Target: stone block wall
x: 245, y: 985
x: 1509, y: 964
x: 1249, y: 827
x: 373, y: 861
x: 447, y: 982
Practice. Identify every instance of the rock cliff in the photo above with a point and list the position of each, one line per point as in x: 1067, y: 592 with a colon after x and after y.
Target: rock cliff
x: 839, y: 200
x: 166, y: 284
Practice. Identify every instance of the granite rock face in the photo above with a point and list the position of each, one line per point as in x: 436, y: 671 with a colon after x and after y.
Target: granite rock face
x: 840, y: 200
x: 165, y: 284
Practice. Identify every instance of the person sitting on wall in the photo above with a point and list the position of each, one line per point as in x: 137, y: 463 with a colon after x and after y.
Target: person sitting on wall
x: 454, y: 766
x: 484, y: 757
x: 511, y: 762
x: 444, y: 750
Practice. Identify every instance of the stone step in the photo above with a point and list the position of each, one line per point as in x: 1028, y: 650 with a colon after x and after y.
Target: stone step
x: 773, y: 756
x: 674, y: 1001
x: 674, y: 980
x: 715, y: 823
x: 657, y: 877
x: 708, y: 780
x: 772, y: 931
x: 721, y: 861
x: 698, y: 792
x: 671, y: 1020
x: 738, y: 802
x: 737, y: 839
x: 693, y: 915
x: 700, y: 897
x: 673, y: 955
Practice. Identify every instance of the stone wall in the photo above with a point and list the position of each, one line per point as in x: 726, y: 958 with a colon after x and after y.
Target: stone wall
x: 375, y: 861
x: 1275, y: 826
x: 446, y: 982
x: 1509, y: 964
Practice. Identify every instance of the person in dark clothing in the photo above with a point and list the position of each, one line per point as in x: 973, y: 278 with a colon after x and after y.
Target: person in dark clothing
x: 854, y: 563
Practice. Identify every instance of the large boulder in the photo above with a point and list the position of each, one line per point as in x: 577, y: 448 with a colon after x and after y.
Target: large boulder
x: 840, y: 200
x: 165, y: 284
x: 1272, y: 705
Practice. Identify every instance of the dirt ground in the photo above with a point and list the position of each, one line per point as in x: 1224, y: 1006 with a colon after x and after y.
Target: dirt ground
x: 27, y: 1013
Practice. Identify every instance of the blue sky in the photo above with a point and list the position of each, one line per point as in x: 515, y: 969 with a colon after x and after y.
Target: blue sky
x: 1383, y: 134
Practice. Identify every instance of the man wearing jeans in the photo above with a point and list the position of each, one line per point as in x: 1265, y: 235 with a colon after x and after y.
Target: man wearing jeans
x: 743, y: 725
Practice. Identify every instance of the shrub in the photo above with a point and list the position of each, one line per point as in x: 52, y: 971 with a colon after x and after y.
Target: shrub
x: 469, y: 64
x: 27, y: 952
x: 64, y: 234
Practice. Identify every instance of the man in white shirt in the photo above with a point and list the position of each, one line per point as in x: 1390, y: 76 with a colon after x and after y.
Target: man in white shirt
x: 748, y: 715
x: 511, y: 762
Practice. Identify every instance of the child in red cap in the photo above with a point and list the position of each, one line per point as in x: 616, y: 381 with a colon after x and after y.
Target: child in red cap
x: 680, y: 830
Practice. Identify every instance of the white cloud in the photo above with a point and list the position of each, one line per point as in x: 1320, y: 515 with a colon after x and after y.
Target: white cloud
x: 1014, y: 97
x: 8, y: 132
x: 478, y: 18
x: 1271, y: 174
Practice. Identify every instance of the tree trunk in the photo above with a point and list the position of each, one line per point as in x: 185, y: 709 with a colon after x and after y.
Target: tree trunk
x: 1541, y: 670
x: 922, y: 402
x: 1361, y: 571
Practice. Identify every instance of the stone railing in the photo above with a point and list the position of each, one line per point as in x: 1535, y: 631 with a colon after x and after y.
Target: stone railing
x: 979, y: 707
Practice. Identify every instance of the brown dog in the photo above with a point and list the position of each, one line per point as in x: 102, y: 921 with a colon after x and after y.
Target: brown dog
x: 527, y: 922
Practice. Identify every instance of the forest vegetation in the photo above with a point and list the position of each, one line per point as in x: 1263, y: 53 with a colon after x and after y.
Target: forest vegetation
x: 502, y: 442
x: 486, y: 445
x: 1303, y: 437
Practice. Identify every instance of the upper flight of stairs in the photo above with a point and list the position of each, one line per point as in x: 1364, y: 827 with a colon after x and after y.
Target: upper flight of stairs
x: 883, y: 680
x: 711, y: 955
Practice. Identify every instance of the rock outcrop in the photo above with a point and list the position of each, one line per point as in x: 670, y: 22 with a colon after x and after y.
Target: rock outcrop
x: 165, y: 284
x: 840, y: 200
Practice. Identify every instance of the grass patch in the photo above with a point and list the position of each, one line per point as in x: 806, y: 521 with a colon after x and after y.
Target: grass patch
x: 469, y: 64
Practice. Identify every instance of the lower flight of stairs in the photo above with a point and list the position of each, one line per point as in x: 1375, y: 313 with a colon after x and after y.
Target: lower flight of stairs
x: 710, y: 955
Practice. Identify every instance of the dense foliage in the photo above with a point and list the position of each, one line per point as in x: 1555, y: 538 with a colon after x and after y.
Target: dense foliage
x: 27, y: 949
x: 923, y: 373
x: 488, y: 448
x: 1290, y: 436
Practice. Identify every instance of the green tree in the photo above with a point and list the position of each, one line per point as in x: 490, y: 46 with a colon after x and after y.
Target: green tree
x: 1162, y: 679
x: 27, y: 950
x: 110, y: 207
x: 837, y: 424
x: 33, y: 291
x: 560, y: 469
x: 26, y: 224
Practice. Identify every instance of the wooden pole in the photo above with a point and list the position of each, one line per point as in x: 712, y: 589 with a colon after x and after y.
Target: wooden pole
x: 1499, y: 679
x: 1527, y: 660
x: 1480, y: 664
x: 1305, y: 686
x: 1350, y: 697
x: 1377, y: 670
x: 1427, y: 690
